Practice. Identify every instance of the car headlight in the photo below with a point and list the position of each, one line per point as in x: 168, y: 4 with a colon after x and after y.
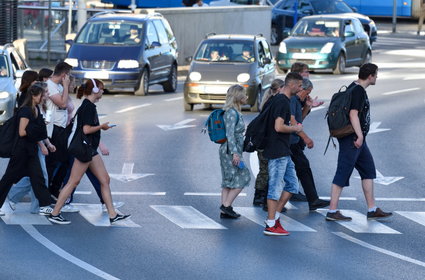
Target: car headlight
x: 4, y: 95
x: 195, y: 76
x: 327, y: 48
x: 243, y: 78
x: 128, y: 64
x: 282, y: 47
x: 72, y: 61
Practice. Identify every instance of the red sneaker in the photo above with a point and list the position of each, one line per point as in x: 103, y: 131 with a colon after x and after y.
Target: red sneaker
x: 277, y: 229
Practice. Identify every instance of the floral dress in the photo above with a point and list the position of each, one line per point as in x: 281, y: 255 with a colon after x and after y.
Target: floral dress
x: 233, y: 176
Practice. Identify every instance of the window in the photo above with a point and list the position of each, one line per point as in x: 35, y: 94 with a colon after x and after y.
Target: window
x: 261, y: 53
x: 226, y: 51
x: 162, y: 34
x: 111, y: 33
x: 3, y: 66
x: 151, y: 34
x: 267, y: 51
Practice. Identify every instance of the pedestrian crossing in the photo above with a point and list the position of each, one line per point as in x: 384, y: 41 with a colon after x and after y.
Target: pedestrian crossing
x: 188, y: 217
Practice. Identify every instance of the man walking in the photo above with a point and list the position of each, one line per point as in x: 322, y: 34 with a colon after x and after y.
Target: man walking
x: 283, y: 181
x: 353, y: 150
x: 421, y: 17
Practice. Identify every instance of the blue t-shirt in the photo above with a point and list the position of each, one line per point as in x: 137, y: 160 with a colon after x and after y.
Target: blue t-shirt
x: 297, y: 112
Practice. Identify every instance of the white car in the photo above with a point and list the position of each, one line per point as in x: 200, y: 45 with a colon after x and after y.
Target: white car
x: 12, y: 66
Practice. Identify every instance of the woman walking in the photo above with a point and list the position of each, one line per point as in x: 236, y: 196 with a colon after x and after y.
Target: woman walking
x: 235, y: 175
x: 24, y: 160
x: 88, y: 120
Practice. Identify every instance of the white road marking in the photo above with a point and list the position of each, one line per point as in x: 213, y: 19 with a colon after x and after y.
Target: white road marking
x: 254, y: 163
x: 381, y: 179
x: 208, y: 194
x: 174, y: 99
x: 414, y: 77
x: 139, y: 193
x: 22, y: 215
x: 374, y: 128
x: 83, y: 192
x: 399, y: 199
x: 179, y: 125
x: 133, y: 108
x: 127, y: 173
x: 65, y: 255
x: 258, y: 216
x: 418, y: 217
x: 378, y: 249
x: 410, y: 52
x: 360, y: 223
x: 341, y: 198
x: 318, y: 108
x: 187, y: 217
x: 400, y: 91
x: 93, y: 214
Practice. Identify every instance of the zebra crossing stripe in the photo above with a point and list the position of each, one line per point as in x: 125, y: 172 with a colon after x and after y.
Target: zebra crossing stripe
x: 360, y: 223
x: 22, y: 216
x: 93, y: 214
x: 186, y: 217
x: 418, y: 217
x: 257, y: 215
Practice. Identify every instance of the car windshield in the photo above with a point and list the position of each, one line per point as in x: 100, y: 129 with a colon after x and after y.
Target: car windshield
x: 317, y: 28
x: 111, y: 33
x: 4, y: 72
x: 330, y: 6
x: 226, y: 51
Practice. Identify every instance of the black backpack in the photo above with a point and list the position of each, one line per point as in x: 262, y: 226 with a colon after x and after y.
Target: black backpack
x: 8, y: 136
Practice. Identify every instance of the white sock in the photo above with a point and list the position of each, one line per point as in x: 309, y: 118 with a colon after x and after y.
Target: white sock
x: 373, y: 209
x: 270, y: 223
x: 276, y: 215
x: 332, y: 211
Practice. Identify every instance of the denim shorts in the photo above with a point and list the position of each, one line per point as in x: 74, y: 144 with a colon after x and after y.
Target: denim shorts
x: 282, y: 177
x: 349, y: 157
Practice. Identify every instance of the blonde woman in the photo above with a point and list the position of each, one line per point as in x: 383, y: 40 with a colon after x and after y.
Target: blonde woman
x: 261, y: 182
x: 235, y: 175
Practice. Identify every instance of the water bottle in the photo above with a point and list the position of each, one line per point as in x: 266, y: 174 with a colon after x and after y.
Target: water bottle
x: 241, y: 165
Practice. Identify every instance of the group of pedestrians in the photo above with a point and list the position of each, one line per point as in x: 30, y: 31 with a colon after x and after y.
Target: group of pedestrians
x: 40, y: 163
x: 283, y: 164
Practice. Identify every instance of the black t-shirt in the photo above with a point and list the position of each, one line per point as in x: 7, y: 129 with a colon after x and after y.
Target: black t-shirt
x: 21, y: 98
x: 36, y: 128
x: 278, y: 143
x: 360, y: 102
x: 88, y: 116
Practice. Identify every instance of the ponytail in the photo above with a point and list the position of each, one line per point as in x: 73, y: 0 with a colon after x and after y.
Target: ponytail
x: 87, y: 88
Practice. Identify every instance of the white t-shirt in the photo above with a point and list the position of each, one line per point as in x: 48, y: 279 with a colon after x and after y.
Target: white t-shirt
x: 59, y: 115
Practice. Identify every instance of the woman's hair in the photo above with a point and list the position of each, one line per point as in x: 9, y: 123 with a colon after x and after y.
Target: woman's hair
x: 35, y: 90
x: 28, y: 78
x: 233, y: 98
x: 87, y: 88
x: 44, y: 73
x: 274, y: 88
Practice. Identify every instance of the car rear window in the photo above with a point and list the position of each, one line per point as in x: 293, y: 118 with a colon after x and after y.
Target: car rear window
x: 226, y: 51
x: 111, y: 33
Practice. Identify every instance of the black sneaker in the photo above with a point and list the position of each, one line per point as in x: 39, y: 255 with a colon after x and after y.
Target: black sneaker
x: 225, y: 216
x: 118, y: 217
x: 298, y: 197
x: 337, y: 216
x: 318, y: 203
x: 58, y: 219
x: 259, y: 198
x: 378, y: 214
x: 229, y: 211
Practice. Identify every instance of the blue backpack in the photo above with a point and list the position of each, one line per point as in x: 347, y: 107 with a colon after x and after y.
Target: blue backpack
x: 216, y: 127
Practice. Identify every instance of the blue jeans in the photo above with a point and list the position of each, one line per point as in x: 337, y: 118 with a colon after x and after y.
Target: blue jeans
x: 282, y: 177
x: 20, y: 189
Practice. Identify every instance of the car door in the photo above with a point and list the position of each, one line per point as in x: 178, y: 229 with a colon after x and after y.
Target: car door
x: 166, y: 55
x: 152, y: 50
x: 269, y: 68
x: 350, y: 42
x: 362, y: 41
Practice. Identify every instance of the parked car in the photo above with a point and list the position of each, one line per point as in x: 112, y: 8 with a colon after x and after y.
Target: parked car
x: 326, y: 42
x: 128, y: 52
x: 283, y: 14
x: 12, y: 66
x: 221, y: 61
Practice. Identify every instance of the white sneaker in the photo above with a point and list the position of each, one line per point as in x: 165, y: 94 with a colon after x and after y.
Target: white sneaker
x: 69, y: 208
x: 117, y: 205
x: 12, y: 205
x: 2, y: 213
x: 45, y: 210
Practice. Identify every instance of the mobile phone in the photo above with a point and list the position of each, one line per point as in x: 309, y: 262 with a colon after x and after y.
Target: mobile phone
x: 112, y: 125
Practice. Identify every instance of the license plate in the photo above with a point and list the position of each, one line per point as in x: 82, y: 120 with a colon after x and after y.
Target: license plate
x: 96, y: 75
x: 216, y: 89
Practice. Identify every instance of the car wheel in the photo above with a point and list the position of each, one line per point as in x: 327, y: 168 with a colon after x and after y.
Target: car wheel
x: 143, y: 83
x: 171, y: 84
x: 274, y: 40
x: 340, y: 65
x: 188, y: 106
x: 368, y: 57
x: 256, y: 106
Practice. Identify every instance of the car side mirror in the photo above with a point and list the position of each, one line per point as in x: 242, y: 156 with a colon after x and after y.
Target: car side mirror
x: 155, y: 44
x: 349, y: 34
x: 189, y: 59
x: 266, y: 60
x: 69, y: 42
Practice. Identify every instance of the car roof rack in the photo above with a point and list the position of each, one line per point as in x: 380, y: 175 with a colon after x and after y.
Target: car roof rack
x: 210, y: 34
x: 151, y: 13
x: 102, y: 13
x: 8, y: 45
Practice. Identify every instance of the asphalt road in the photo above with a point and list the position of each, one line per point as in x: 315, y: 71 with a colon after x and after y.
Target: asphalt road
x: 168, y: 175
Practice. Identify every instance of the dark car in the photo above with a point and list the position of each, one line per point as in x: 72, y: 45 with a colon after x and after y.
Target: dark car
x: 221, y: 61
x: 128, y: 52
x: 283, y: 14
x: 326, y: 42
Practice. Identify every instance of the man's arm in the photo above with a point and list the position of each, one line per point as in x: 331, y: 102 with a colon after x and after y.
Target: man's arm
x: 280, y: 126
x: 355, y: 122
x: 62, y: 100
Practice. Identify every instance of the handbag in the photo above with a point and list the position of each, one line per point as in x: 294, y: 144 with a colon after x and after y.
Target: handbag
x: 8, y: 136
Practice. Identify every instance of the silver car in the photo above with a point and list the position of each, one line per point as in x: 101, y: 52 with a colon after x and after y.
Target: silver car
x: 224, y: 60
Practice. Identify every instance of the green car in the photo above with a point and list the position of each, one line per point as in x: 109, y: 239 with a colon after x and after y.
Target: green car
x: 221, y: 61
x: 326, y: 42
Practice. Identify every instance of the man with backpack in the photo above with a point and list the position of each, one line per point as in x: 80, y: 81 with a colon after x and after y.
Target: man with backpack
x: 353, y: 150
x: 283, y: 181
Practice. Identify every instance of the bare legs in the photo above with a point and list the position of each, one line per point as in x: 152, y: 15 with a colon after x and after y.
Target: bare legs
x: 229, y: 195
x: 277, y: 206
x: 367, y: 185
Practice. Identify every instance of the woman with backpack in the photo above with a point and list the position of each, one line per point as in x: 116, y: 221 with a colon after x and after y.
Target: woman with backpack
x: 24, y: 160
x: 235, y: 175
x: 88, y: 121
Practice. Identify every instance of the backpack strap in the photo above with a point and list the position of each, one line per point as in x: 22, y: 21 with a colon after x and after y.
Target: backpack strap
x: 327, y: 145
